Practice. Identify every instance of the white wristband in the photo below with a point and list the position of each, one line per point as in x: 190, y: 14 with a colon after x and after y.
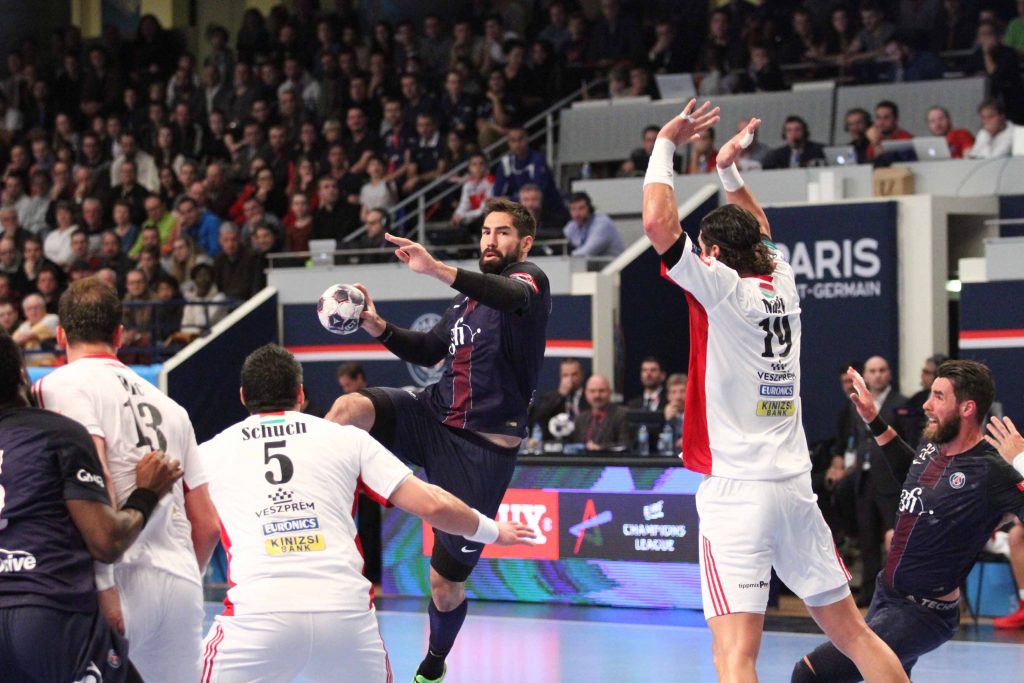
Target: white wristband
x: 659, y: 167
x: 104, y: 574
x: 486, y: 532
x: 1018, y: 463
x: 730, y: 177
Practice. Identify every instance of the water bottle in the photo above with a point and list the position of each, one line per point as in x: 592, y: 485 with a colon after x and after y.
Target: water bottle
x: 643, y: 441
x: 850, y: 456
x: 586, y: 171
x: 536, y: 439
x: 665, y: 440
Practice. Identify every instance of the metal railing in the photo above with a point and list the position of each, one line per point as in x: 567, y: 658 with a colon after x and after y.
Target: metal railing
x: 414, y: 207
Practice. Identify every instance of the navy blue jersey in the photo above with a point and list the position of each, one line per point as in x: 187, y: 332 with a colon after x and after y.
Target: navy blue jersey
x: 45, y: 459
x: 949, y: 508
x: 493, y: 359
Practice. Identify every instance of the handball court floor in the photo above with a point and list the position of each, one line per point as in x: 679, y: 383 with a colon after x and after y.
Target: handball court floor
x: 523, y: 643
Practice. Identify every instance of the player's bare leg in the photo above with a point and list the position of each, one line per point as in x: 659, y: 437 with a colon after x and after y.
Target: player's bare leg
x: 447, y: 612
x: 845, y: 627
x: 735, y: 642
x: 353, y: 409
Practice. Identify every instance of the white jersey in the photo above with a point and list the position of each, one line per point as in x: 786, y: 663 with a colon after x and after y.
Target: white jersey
x: 743, y: 416
x: 285, y: 485
x: 133, y: 417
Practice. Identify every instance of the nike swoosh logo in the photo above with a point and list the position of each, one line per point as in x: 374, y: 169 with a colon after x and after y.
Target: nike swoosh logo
x: 469, y: 550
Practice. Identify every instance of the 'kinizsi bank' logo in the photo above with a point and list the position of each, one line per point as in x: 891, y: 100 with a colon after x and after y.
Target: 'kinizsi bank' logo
x: 422, y: 376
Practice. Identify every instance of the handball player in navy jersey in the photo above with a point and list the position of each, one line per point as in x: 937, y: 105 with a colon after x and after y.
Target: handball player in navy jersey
x: 55, y: 519
x: 956, y: 490
x: 464, y: 430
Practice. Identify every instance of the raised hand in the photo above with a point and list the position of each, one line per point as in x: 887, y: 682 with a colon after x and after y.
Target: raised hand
x: 731, y: 151
x: 861, y: 397
x: 413, y: 254
x: 1003, y: 435
x: 687, y: 126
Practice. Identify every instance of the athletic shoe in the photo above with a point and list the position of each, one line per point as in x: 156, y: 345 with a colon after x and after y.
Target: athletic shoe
x: 1012, y: 620
x: 423, y: 679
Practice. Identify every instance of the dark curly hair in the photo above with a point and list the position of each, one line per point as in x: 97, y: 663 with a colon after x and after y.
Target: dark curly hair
x: 738, y: 236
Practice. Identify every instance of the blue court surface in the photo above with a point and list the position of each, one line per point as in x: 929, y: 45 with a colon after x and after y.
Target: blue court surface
x: 514, y: 643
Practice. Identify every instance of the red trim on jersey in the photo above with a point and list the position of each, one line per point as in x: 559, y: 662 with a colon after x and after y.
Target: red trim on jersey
x: 905, y: 523
x: 229, y: 607
x: 359, y: 542
x: 696, y: 442
x: 273, y: 412
x: 1020, y: 486
x: 210, y: 653
x: 37, y: 389
x: 374, y: 496
x: 718, y: 599
x: 462, y: 380
x: 846, y: 572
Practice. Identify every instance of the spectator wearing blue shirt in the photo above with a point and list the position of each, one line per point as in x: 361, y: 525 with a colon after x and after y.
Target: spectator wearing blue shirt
x: 591, y: 233
x: 524, y: 166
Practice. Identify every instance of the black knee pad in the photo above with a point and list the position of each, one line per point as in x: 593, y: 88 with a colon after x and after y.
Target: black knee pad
x: 802, y: 673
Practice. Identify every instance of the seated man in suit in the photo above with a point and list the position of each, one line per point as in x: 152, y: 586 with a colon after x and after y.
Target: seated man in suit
x: 799, y: 151
x: 567, y: 398
x: 604, y: 426
x: 652, y: 377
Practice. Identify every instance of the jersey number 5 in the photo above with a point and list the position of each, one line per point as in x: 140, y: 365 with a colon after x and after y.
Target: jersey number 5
x: 283, y: 461
x: 779, y: 328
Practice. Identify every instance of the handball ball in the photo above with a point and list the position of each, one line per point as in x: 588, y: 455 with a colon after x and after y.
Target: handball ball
x: 561, y: 425
x: 339, y: 309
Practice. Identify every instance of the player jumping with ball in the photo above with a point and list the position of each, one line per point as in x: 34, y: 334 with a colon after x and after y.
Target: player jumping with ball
x: 755, y: 504
x: 465, y: 429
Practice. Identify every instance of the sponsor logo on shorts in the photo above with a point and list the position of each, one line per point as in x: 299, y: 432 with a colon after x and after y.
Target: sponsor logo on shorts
x: 290, y: 525
x: 16, y: 561
x: 89, y: 478
x: 756, y: 584
x: 469, y: 550
x: 776, y: 390
x: 776, y: 408
x: 113, y: 660
x: 957, y: 480
x: 286, y: 545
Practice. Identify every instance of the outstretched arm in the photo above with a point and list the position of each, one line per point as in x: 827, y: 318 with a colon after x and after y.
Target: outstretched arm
x: 1005, y: 438
x: 660, y: 215
x: 736, y: 192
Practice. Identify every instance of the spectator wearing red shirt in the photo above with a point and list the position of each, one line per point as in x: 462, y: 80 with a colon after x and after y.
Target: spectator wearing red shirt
x: 886, y: 127
x: 959, y: 140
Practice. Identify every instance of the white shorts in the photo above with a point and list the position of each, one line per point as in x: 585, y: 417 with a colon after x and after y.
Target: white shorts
x: 748, y: 527
x: 163, y: 618
x: 279, y: 646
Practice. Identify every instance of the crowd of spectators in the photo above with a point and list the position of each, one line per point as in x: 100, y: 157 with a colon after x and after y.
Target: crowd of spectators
x: 174, y: 178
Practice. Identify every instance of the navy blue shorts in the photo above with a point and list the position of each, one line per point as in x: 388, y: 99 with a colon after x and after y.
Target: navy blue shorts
x: 909, y: 628
x: 466, y: 465
x: 47, y: 644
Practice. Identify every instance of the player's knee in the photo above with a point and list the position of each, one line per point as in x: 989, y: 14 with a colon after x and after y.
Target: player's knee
x: 352, y: 409
x: 803, y: 673
x: 447, y: 595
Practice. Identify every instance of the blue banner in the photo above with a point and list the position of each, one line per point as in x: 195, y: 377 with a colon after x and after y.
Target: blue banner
x: 845, y: 261
x: 994, y: 335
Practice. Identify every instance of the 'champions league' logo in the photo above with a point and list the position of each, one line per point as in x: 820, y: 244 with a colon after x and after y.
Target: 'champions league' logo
x: 422, y: 376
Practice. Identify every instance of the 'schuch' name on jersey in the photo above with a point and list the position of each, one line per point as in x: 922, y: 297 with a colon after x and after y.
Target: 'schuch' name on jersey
x: 290, y: 525
x: 286, y: 545
x: 13, y: 561
x: 267, y: 431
